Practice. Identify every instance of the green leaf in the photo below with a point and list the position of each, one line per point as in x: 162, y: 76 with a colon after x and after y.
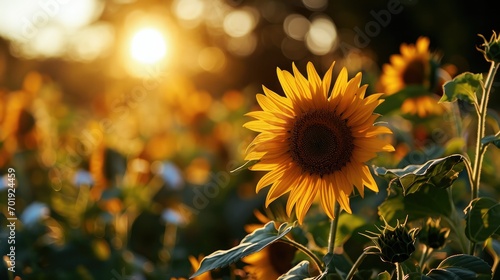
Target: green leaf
x: 439, y: 173
x: 491, y: 139
x: 482, y: 218
x: 426, y: 202
x: 298, y: 272
x: 252, y: 243
x: 394, y: 101
x: 462, y: 267
x: 337, y: 263
x: 463, y: 87
x: 384, y: 276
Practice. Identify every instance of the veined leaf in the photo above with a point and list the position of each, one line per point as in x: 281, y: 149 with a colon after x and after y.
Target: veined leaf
x: 252, y: 243
x: 464, y: 267
x: 439, y: 173
x: 298, y: 272
x: 482, y: 218
x: 428, y: 201
x: 463, y: 87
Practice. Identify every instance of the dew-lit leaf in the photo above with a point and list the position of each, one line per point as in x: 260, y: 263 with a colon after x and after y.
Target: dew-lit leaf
x: 252, y: 243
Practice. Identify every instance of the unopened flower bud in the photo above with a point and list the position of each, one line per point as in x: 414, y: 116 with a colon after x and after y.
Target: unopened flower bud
x: 491, y: 48
x: 395, y: 244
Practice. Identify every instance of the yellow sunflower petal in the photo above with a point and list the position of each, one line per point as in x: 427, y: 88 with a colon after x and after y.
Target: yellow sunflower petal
x: 305, y: 199
x: 327, y: 196
x: 269, y: 179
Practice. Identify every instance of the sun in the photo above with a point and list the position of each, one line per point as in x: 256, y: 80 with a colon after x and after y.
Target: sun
x: 148, y: 45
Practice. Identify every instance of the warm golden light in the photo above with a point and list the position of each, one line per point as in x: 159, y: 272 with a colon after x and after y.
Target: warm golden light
x: 148, y: 46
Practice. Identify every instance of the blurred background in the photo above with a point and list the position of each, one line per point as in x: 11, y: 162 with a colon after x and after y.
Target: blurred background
x: 123, y: 119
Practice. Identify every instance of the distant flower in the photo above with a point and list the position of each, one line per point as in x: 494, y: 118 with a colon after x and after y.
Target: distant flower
x: 415, y: 66
x: 433, y: 235
x: 315, y: 141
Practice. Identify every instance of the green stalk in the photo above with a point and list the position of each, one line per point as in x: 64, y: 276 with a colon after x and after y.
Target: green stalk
x: 304, y: 250
x: 423, y: 259
x: 333, y: 228
x: 400, y: 275
x: 358, y: 262
x: 481, y: 127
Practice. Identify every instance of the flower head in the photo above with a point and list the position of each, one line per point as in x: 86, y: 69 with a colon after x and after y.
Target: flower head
x: 416, y: 65
x: 315, y: 141
x: 433, y: 235
x: 395, y: 244
x: 491, y: 48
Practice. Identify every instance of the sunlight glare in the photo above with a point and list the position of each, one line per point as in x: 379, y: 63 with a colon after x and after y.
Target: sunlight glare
x: 148, y: 46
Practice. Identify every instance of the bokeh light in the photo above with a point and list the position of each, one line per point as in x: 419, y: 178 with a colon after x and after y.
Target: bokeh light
x: 239, y: 23
x: 322, y: 36
x: 148, y: 45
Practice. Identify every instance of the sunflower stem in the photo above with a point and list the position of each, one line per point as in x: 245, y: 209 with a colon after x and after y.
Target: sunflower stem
x: 358, y: 262
x: 400, y: 275
x: 481, y: 127
x: 333, y: 228
x: 423, y: 259
x: 304, y: 250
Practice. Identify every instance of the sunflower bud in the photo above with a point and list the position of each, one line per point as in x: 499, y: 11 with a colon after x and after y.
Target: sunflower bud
x: 433, y: 235
x: 395, y: 244
x: 491, y: 49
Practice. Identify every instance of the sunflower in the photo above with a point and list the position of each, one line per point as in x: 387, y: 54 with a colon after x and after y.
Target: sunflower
x: 416, y: 65
x: 315, y: 141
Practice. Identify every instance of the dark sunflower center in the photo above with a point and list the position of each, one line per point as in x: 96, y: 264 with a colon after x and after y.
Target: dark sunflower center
x: 320, y: 142
x: 414, y: 73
